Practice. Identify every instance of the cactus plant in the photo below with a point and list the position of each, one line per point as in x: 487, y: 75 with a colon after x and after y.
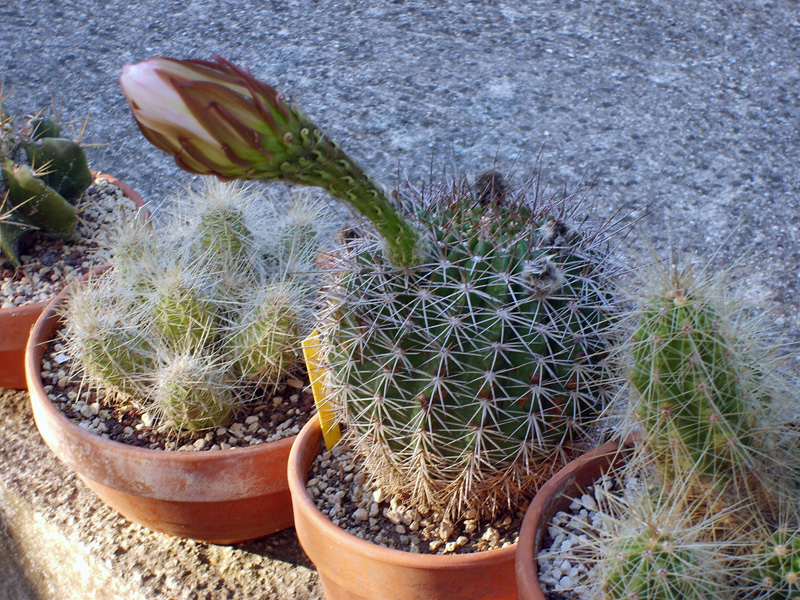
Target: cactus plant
x: 43, y: 174
x: 464, y: 344
x: 457, y: 378
x: 658, y: 543
x: 704, y: 384
x: 185, y: 330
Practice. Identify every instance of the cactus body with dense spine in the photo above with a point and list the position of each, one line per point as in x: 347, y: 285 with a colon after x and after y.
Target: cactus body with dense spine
x: 191, y: 394
x: 777, y: 574
x: 657, y: 544
x: 654, y: 567
x: 43, y: 175
x: 698, y: 389
x: 263, y: 341
x: 458, y: 377
x: 175, y: 331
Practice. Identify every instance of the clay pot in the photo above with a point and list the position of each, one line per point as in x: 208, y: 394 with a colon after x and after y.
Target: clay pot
x: 353, y: 569
x: 16, y: 323
x: 218, y: 496
x: 554, y: 496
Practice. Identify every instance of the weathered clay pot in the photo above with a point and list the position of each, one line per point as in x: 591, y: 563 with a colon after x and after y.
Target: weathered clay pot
x: 354, y: 569
x: 218, y: 496
x: 554, y: 496
x: 16, y: 323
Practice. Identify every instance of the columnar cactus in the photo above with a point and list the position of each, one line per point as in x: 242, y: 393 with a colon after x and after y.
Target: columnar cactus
x: 181, y: 331
x: 694, y: 393
x: 465, y: 344
x: 703, y: 384
x: 43, y: 175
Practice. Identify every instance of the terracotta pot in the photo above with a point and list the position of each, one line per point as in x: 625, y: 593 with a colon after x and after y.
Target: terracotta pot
x: 353, y: 569
x: 16, y: 323
x: 554, y: 496
x: 218, y: 496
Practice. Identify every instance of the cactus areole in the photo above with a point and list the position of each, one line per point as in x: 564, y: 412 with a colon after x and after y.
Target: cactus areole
x: 464, y: 345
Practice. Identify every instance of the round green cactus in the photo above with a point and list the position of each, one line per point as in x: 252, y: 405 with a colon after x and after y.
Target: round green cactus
x: 184, y: 316
x: 223, y: 233
x: 265, y: 340
x: 456, y: 376
x: 116, y: 355
x: 191, y: 394
x: 654, y: 566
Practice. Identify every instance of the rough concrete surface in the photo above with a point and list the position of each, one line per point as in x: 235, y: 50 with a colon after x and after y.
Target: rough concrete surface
x: 685, y: 112
x: 59, y: 542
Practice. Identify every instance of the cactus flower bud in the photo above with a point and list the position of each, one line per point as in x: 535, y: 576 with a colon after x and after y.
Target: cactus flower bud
x: 212, y: 117
x: 217, y: 119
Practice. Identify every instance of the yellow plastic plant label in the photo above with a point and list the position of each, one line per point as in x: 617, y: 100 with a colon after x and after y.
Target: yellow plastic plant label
x: 331, y: 432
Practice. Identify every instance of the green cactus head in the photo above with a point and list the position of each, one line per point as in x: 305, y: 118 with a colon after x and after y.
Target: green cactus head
x: 43, y: 175
x: 776, y: 573
x: 459, y: 378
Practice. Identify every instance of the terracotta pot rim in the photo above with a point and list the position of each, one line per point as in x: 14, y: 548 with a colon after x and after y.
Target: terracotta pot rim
x: 303, y: 501
x: 129, y: 193
x: 526, y: 569
x: 33, y: 360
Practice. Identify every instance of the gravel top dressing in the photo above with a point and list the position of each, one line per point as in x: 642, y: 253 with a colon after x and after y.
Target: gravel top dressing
x: 49, y: 263
x: 342, y: 492
x: 273, y: 414
x: 568, y: 555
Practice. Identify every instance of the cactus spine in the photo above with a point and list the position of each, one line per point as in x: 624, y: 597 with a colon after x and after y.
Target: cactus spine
x: 43, y: 175
x: 179, y: 332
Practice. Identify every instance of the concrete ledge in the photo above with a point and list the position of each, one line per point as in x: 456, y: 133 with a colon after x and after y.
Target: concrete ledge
x: 59, y: 542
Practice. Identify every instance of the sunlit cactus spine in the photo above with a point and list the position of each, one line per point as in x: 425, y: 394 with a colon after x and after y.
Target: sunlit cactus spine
x: 116, y: 355
x: 264, y: 339
x: 657, y: 546
x: 192, y: 393
x: 464, y: 343
x: 43, y: 175
x: 181, y: 331
x: 702, y: 379
x: 183, y: 313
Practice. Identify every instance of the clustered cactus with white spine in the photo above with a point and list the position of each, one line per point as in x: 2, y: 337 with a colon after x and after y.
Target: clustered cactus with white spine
x: 714, y: 416
x: 194, y: 314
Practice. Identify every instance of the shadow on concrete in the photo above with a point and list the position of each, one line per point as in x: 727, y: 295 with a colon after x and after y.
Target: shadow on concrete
x: 282, y: 546
x: 14, y: 584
